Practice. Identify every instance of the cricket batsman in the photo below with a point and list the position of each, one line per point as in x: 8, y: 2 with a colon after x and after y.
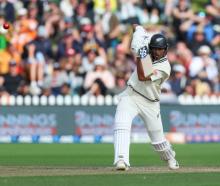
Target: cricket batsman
x: 142, y: 97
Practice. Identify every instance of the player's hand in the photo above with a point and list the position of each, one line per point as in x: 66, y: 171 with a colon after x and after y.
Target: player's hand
x: 143, y: 52
x: 139, y: 40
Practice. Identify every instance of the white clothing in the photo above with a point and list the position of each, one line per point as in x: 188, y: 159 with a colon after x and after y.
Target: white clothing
x: 135, y: 101
x: 151, y: 89
x: 142, y: 98
x: 87, y: 66
x: 130, y: 105
x: 127, y: 10
x: 67, y: 8
x: 105, y: 22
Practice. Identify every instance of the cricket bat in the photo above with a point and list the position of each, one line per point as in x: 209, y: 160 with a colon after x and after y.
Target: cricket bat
x: 146, y: 61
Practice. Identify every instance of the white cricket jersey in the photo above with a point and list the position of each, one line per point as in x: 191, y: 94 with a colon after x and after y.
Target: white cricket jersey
x: 151, y: 88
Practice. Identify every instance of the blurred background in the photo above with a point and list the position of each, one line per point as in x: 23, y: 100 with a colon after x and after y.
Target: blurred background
x: 63, y: 62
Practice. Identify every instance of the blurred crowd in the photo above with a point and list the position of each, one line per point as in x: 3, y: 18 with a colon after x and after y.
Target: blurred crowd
x: 72, y: 47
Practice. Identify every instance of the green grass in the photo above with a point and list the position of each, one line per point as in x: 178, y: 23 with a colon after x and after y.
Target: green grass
x: 187, y: 179
x: 89, y: 155
x: 102, y: 154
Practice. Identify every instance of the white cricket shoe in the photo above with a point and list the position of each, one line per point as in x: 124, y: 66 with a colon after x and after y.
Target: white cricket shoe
x: 173, y: 164
x: 121, y: 165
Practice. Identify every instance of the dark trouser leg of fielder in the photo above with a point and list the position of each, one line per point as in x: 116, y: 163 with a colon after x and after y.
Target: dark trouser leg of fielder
x: 125, y: 112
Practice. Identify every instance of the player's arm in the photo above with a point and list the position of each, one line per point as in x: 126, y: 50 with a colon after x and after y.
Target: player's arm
x: 140, y: 71
x: 139, y: 46
x: 155, y: 76
x: 158, y: 77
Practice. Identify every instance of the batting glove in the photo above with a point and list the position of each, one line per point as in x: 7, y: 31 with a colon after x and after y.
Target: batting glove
x: 140, y: 41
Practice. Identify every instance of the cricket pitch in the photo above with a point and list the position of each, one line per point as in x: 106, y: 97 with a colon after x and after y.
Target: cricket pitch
x: 10, y: 171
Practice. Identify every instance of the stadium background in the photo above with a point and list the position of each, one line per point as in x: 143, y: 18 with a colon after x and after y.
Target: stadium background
x: 62, y: 64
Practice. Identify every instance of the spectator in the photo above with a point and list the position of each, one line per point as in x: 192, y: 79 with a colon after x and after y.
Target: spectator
x: 53, y: 19
x: 24, y: 88
x: 37, y: 7
x: 153, y: 9
x: 76, y: 75
x: 2, y: 91
x: 203, y: 88
x: 4, y: 61
x: 67, y: 43
x: 89, y: 38
x: 204, y: 67
x: 100, y: 72
x: 122, y: 66
x: 97, y: 88
x: 91, y: 52
x: 182, y: 19
x: 168, y: 7
x: 128, y: 12
x: 43, y: 44
x: 74, y: 34
x: 213, y: 11
x: 68, y: 8
x: 56, y: 80
x: 120, y: 84
x: 83, y: 11
x: 198, y: 40
x: 110, y: 26
x: 46, y: 91
x: 178, y: 80
x: 190, y: 88
x: 7, y: 55
x: 8, y: 10
x: 167, y: 95
x: 35, y: 65
x: 12, y: 79
x: 184, y: 55
x: 203, y: 21
x: 25, y: 30
x: 38, y: 51
x: 65, y: 89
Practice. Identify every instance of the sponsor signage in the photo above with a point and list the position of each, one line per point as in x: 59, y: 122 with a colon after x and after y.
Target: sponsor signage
x: 194, y: 123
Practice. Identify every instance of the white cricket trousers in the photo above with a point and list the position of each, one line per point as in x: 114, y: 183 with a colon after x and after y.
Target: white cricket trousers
x: 130, y: 105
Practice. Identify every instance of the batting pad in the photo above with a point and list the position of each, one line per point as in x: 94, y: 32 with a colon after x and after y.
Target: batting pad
x: 121, y: 145
x: 165, y: 150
